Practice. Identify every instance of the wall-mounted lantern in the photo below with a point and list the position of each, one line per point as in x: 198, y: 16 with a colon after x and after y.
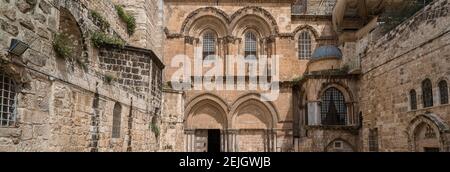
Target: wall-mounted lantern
x: 18, y: 47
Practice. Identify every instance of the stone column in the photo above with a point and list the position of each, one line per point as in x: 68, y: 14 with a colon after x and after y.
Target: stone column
x: 314, y: 117
x: 350, y: 114
x: 190, y: 142
x: 232, y: 140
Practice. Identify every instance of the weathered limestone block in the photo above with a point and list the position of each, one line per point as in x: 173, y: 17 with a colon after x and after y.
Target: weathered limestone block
x: 10, y: 28
x: 27, y: 23
x: 24, y: 6
x: 45, y: 7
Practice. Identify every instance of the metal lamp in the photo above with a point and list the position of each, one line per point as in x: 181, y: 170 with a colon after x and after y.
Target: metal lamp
x: 18, y: 47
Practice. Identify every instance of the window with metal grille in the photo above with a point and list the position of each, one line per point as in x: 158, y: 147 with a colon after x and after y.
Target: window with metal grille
x: 299, y: 7
x: 304, y: 45
x: 333, y: 108
x: 373, y: 140
x: 443, y: 91
x: 413, y: 99
x: 117, y: 119
x: 250, y: 45
x: 209, y: 44
x: 8, y: 114
x: 427, y: 93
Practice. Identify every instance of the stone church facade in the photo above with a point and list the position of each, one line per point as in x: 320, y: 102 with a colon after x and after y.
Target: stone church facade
x: 344, y: 85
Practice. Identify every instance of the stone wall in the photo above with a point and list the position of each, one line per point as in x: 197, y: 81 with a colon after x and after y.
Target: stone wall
x: 397, y: 63
x: 63, y: 105
x: 133, y: 69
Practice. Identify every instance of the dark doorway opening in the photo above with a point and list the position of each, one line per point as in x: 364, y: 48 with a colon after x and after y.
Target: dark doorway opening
x: 213, y: 140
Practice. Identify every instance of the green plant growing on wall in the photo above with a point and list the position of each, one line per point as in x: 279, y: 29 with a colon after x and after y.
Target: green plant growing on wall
x: 99, y: 20
x: 81, y: 63
x: 109, y: 78
x: 297, y: 80
x: 61, y: 45
x: 127, y: 18
x: 100, y: 39
x: 345, y: 68
x: 155, y: 129
x: 63, y: 48
x: 392, y: 17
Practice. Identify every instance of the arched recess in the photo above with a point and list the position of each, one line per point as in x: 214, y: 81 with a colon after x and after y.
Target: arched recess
x: 69, y: 27
x: 339, y: 145
x: 205, y: 18
x: 253, y: 121
x: 243, y: 105
x: 206, y: 112
x: 428, y: 132
x: 78, y: 12
x: 253, y: 17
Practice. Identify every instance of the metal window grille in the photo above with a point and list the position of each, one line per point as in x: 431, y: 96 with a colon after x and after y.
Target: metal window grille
x: 304, y: 45
x: 413, y: 99
x: 427, y: 93
x: 443, y: 91
x: 250, y: 44
x: 373, y: 140
x: 117, y: 119
x: 209, y: 44
x: 8, y: 99
x: 333, y: 108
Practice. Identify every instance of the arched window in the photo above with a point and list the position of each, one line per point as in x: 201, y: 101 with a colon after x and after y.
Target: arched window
x: 333, y: 108
x: 7, y: 101
x: 117, y: 119
x: 209, y: 44
x: 250, y: 44
x: 304, y: 45
x: 443, y: 91
x: 427, y: 93
x: 413, y: 99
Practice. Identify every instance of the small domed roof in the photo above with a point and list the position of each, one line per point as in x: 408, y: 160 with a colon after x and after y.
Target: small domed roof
x: 327, y: 51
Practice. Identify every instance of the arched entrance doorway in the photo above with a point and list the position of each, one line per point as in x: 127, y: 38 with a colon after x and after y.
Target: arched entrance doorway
x: 253, y: 123
x: 428, y: 133
x: 425, y: 139
x: 206, y: 125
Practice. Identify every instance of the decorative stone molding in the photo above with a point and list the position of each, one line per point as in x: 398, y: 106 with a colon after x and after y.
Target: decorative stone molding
x: 211, y: 11
x: 433, y: 121
x: 257, y: 10
x: 172, y: 35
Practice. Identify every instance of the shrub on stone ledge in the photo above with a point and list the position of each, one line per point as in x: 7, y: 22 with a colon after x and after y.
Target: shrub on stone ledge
x: 127, y: 18
x: 101, y: 39
x: 109, y: 78
x: 61, y: 45
x: 99, y: 20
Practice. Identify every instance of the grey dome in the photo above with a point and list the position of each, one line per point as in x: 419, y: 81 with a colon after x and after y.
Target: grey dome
x: 327, y: 51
